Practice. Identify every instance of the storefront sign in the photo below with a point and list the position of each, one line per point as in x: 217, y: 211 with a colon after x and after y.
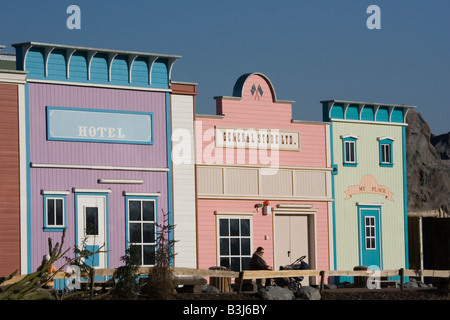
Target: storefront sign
x: 369, y: 185
x: 95, y: 125
x: 257, y: 138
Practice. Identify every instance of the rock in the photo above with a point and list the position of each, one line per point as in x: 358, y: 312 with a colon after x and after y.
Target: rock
x: 442, y: 145
x: 330, y: 286
x: 209, y: 289
x: 413, y: 283
x: 308, y: 293
x: 428, y: 175
x: 276, y: 293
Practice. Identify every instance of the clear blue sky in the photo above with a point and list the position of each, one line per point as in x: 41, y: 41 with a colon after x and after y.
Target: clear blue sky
x: 311, y: 50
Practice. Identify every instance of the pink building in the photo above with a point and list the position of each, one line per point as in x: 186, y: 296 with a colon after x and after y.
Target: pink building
x: 252, y: 153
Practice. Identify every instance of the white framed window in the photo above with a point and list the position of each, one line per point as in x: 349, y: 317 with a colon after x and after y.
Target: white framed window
x: 234, y: 241
x: 54, y: 211
x: 349, y: 155
x: 370, y: 233
x: 142, y: 228
x: 385, y: 149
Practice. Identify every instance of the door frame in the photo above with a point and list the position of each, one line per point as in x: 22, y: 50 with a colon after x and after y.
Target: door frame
x: 93, y: 193
x: 299, y: 210
x: 361, y: 233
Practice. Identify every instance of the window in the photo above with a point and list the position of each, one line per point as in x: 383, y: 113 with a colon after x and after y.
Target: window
x: 234, y: 243
x: 54, y: 212
x: 385, y: 149
x: 370, y: 233
x: 142, y: 228
x: 91, y: 218
x: 385, y: 153
x: 349, y: 150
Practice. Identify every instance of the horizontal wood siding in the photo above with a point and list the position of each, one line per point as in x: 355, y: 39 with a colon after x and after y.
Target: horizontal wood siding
x: 392, y: 211
x: 247, y: 181
x: 262, y: 226
x: 91, y: 153
x: 263, y: 113
x: 9, y: 177
x: 66, y: 180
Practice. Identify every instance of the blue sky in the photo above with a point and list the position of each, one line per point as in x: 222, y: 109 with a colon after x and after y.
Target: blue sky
x: 310, y: 50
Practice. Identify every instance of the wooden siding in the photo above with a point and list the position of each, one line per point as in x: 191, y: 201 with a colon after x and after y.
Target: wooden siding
x: 262, y: 226
x: 228, y: 181
x: 91, y: 153
x: 99, y: 72
x: 106, y: 155
x: 392, y: 212
x: 233, y: 180
x: 48, y: 179
x: 264, y: 113
x: 184, y: 209
x: 9, y: 177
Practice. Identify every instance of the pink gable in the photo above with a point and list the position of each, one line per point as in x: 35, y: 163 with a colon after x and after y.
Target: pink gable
x: 254, y: 105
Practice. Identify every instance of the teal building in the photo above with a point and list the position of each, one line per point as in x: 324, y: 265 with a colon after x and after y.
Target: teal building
x: 368, y: 153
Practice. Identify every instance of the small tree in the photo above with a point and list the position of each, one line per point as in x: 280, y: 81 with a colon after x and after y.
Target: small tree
x: 127, y: 286
x: 160, y: 284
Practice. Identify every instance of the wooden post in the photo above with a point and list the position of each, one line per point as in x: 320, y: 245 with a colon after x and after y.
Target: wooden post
x: 402, y: 278
x: 322, y: 280
x: 241, y: 280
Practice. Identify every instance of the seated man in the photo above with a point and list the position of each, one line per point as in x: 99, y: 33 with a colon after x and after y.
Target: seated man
x: 257, y: 262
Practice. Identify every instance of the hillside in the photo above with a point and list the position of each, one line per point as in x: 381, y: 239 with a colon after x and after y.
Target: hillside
x: 428, y: 171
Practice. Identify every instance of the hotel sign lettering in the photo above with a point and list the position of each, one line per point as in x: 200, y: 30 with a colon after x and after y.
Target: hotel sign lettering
x: 257, y: 138
x: 99, y: 125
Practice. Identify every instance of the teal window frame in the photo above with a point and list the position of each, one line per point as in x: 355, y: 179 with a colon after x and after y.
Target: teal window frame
x: 55, y: 227
x: 383, y: 145
x: 349, y: 140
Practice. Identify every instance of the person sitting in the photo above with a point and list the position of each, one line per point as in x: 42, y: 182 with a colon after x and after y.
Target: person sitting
x: 257, y: 262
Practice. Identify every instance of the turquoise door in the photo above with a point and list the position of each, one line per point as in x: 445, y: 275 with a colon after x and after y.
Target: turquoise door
x: 370, y: 236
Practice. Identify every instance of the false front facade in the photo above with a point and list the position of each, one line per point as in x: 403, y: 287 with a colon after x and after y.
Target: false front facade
x: 262, y: 180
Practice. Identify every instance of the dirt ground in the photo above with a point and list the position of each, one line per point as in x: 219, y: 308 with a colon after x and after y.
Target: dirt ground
x: 336, y: 294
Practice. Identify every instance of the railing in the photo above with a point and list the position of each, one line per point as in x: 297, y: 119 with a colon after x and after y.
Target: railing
x: 245, y: 275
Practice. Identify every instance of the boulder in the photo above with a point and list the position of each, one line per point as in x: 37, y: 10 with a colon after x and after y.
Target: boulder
x: 276, y: 293
x: 308, y: 293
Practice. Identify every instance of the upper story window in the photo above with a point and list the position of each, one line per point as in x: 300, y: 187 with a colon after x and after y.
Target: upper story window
x: 385, y: 151
x: 349, y: 150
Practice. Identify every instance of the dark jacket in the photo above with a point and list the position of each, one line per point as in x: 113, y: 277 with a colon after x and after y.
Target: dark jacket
x: 258, y: 263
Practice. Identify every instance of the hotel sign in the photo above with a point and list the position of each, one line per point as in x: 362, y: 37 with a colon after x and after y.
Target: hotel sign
x: 99, y: 125
x: 251, y: 138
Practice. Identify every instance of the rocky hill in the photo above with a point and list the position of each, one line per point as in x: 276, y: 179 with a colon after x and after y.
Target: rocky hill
x: 442, y: 145
x: 428, y: 170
